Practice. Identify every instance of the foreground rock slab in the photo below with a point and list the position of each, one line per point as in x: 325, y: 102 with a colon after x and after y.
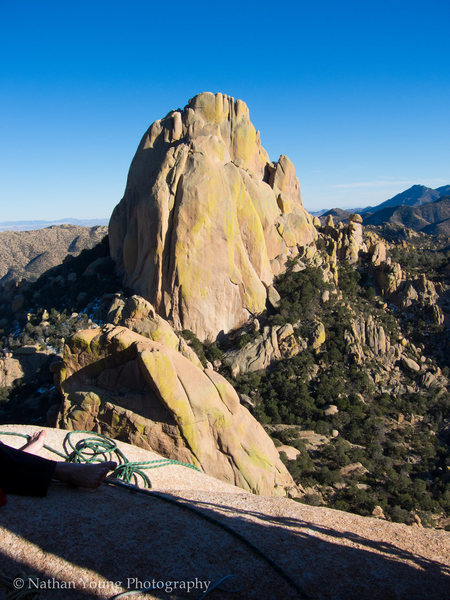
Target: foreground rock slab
x: 99, y: 544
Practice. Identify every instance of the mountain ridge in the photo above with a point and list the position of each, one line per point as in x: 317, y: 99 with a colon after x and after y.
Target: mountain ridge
x: 41, y: 224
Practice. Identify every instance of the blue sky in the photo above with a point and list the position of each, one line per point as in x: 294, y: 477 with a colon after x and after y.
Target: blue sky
x: 357, y: 94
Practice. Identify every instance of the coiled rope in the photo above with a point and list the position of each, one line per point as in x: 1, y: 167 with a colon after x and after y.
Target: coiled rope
x: 99, y: 448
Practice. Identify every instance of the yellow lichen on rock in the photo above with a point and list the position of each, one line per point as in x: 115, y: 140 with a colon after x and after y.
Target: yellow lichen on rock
x: 204, y: 215
x: 150, y: 394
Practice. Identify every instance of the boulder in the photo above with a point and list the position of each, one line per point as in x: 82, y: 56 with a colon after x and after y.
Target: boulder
x: 410, y: 365
x: 354, y: 469
x: 378, y: 253
x: 275, y: 343
x: 206, y: 218
x: 291, y: 452
x: 139, y: 315
x: 409, y: 295
x: 117, y: 382
x: 10, y: 371
x: 378, y: 512
x: 318, y: 335
x: 389, y: 277
x: 273, y: 297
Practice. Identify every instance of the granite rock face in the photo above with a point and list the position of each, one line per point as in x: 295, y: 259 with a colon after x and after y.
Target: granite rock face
x: 272, y: 344
x: 207, y: 220
x: 132, y: 388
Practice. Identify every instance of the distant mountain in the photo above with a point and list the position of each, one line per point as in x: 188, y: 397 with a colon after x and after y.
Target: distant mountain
x: 400, y: 210
x: 425, y: 218
x: 413, y: 196
x: 28, y: 254
x: 318, y: 213
x: 338, y: 214
x: 444, y: 190
x: 32, y: 225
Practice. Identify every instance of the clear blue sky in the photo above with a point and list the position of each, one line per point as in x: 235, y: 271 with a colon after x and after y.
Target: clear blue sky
x: 356, y: 93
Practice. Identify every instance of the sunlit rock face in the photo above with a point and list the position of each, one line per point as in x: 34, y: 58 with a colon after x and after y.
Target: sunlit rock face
x: 130, y: 387
x: 207, y: 220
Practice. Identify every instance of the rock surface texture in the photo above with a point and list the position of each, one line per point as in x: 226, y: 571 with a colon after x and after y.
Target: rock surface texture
x: 330, y: 555
x: 133, y: 388
x: 207, y: 220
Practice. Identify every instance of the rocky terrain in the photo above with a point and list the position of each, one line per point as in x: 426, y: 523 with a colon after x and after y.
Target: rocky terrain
x: 220, y: 304
x: 26, y: 255
x: 207, y: 219
x: 157, y: 541
x: 418, y: 208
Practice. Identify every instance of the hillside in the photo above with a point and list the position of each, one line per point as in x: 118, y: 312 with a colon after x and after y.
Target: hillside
x: 31, y: 225
x: 220, y: 331
x: 28, y: 254
x: 417, y: 195
x: 428, y: 217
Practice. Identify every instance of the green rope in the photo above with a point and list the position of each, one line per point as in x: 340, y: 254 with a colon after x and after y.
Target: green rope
x: 302, y: 595
x: 99, y: 448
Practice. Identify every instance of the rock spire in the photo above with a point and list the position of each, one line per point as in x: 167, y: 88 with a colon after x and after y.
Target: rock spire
x: 207, y: 220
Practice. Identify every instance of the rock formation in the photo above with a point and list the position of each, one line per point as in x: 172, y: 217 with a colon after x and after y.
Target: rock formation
x: 366, y: 334
x: 130, y: 387
x: 343, y: 556
x: 207, y: 220
x: 23, y: 365
x: 274, y: 343
x: 343, y: 242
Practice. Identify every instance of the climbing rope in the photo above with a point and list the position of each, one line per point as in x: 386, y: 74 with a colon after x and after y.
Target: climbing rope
x: 227, y: 528
x: 99, y: 448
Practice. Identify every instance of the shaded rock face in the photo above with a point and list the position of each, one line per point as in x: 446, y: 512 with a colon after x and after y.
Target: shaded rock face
x: 365, y: 332
x: 206, y: 219
x: 129, y: 387
x: 274, y: 343
x: 22, y: 366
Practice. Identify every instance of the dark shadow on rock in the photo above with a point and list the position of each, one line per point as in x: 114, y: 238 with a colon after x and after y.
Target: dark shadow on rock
x: 18, y: 576
x: 122, y: 535
x: 118, y: 379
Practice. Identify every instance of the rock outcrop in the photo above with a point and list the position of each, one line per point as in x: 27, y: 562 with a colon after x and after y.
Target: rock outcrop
x: 344, y: 241
x: 164, y: 547
x: 274, y: 343
x: 23, y: 365
x: 130, y: 387
x: 365, y: 335
x: 207, y: 220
